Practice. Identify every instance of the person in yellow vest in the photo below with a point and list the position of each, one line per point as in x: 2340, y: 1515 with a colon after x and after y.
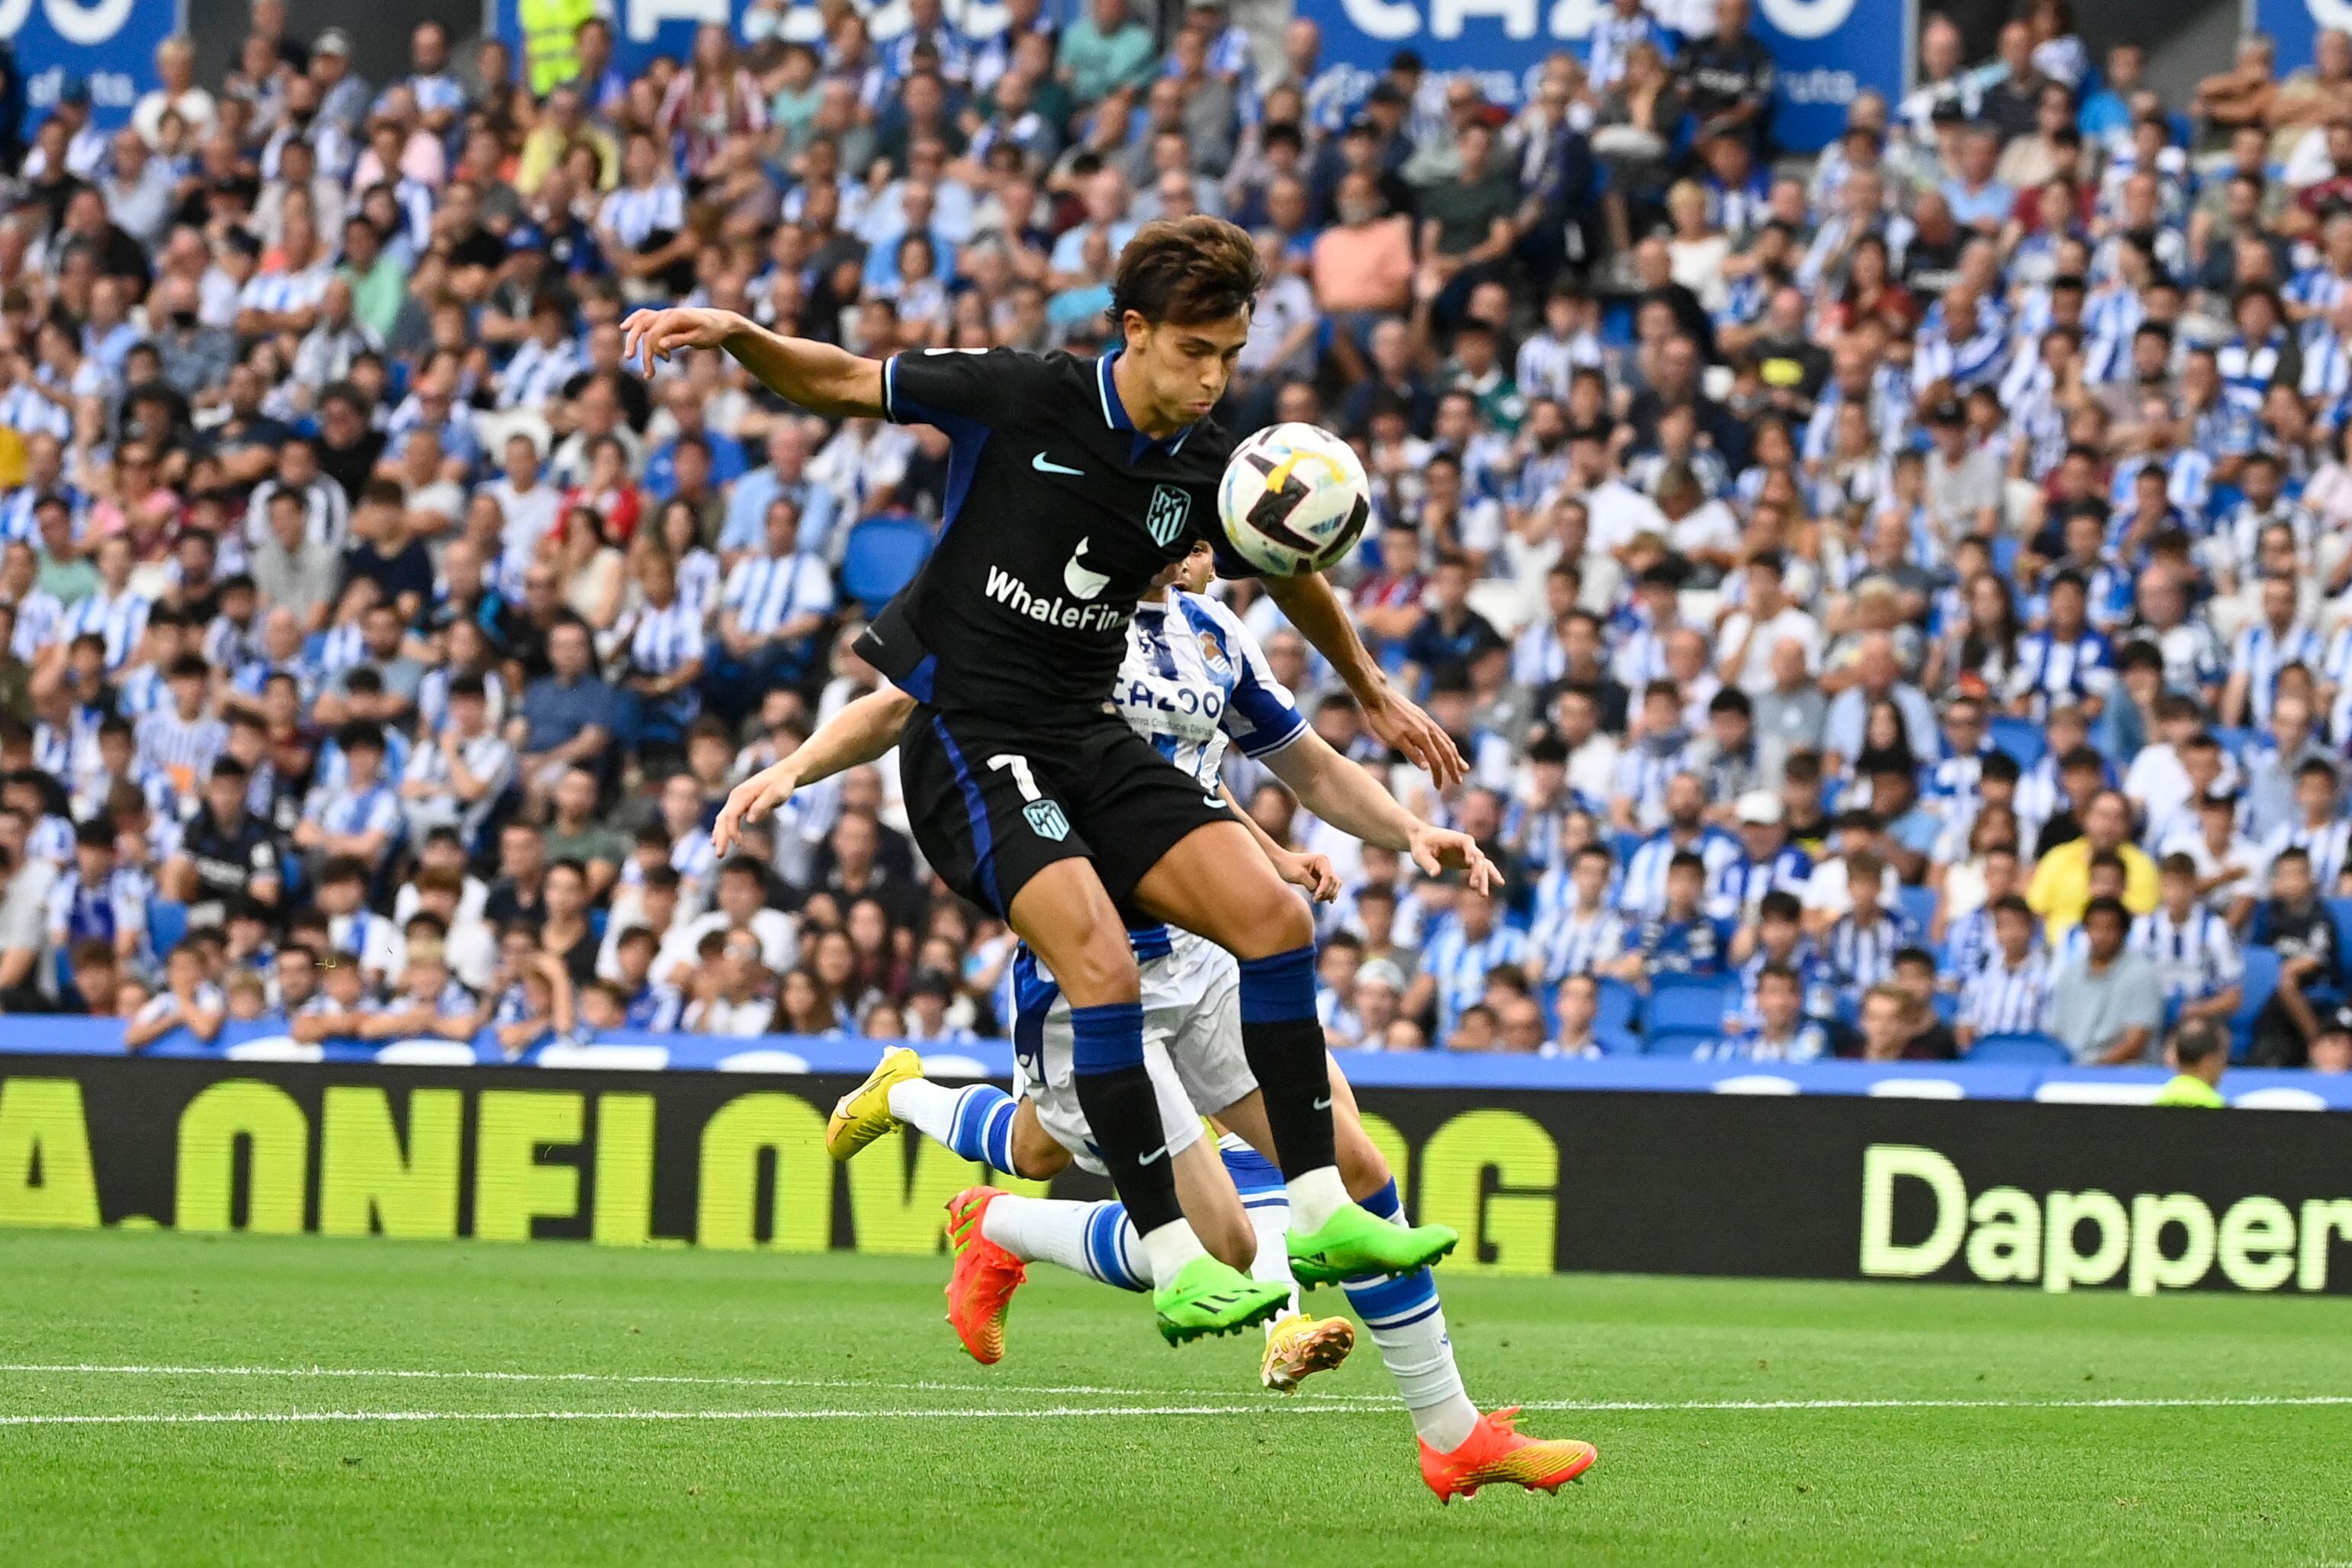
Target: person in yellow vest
x: 2062, y: 882
x: 2200, y: 1053
x: 550, y: 40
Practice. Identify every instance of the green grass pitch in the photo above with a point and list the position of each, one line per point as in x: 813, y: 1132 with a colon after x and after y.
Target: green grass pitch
x: 709, y: 1407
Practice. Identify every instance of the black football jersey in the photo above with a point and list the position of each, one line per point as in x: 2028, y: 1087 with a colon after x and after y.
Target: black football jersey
x: 1058, y: 515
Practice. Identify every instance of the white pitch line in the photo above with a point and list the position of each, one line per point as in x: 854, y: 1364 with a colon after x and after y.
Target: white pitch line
x: 2221, y: 1402
x: 92, y: 1369
x: 299, y: 1417
x: 1084, y: 1412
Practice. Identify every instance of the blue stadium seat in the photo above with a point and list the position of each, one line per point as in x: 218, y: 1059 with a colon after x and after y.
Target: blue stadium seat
x: 167, y: 924
x: 2340, y: 911
x: 1617, y: 1006
x: 2254, y: 989
x: 2021, y: 1050
x: 2020, y: 738
x: 1697, y: 1007
x: 882, y: 556
x: 1678, y: 1042
x: 1919, y: 907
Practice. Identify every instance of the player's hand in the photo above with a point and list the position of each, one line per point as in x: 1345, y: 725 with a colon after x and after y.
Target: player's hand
x: 1312, y: 873
x: 650, y: 337
x: 749, y: 801
x: 1439, y: 849
x: 1400, y: 723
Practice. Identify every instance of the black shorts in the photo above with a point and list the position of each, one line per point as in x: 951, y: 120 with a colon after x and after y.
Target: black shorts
x: 994, y: 804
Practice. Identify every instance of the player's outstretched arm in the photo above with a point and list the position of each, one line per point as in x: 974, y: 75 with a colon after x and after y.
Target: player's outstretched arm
x: 1316, y: 610
x: 1345, y: 794
x: 1298, y: 868
x: 819, y: 377
x: 860, y: 732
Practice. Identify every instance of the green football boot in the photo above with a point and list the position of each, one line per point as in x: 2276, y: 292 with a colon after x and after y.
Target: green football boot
x: 1355, y: 1242
x: 1212, y: 1297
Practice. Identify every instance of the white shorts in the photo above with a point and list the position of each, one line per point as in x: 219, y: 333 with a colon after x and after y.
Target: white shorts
x: 1192, y: 1045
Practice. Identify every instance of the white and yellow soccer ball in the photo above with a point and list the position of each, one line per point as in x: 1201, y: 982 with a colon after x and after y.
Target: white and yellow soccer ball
x: 1294, y: 499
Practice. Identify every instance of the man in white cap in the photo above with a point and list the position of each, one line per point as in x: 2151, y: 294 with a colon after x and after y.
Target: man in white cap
x: 1372, y: 1004
x: 1768, y: 860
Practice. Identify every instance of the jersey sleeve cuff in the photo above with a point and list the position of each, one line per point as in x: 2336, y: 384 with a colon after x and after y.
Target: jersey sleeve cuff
x: 891, y: 389
x: 1256, y: 747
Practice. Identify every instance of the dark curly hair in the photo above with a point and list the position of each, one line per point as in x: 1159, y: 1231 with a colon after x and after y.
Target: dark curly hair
x: 1183, y: 270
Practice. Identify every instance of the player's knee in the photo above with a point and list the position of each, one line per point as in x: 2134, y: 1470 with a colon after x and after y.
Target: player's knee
x: 1229, y: 1238
x: 1270, y: 920
x: 1091, y: 959
x: 1035, y: 1156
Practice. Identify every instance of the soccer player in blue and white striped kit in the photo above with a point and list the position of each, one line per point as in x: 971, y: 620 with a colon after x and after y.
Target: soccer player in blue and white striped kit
x: 1194, y: 678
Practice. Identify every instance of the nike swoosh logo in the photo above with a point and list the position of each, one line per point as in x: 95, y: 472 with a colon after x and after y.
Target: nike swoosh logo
x: 1159, y: 1152
x: 1215, y: 800
x: 1324, y: 1103
x: 1046, y: 464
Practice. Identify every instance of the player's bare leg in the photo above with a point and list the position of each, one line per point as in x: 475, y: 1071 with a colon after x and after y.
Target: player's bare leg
x: 1214, y: 882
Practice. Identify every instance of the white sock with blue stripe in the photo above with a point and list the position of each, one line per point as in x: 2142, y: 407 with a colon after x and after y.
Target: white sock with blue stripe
x: 1260, y: 1185
x: 976, y: 1121
x: 1407, y: 1324
x: 1092, y: 1240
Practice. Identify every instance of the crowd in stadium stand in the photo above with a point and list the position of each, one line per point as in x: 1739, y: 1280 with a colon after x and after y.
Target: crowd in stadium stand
x: 1893, y: 602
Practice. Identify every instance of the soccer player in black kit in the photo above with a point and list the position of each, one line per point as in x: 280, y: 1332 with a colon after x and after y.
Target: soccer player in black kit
x: 1072, y: 483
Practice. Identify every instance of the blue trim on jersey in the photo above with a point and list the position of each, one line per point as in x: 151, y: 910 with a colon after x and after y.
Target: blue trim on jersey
x: 984, y: 843
x: 965, y: 439
x: 1115, y: 412
x: 921, y: 679
x: 1273, y: 723
x: 1033, y: 995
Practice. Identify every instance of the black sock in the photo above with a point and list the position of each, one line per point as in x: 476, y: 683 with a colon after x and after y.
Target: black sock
x: 1295, y: 1077
x: 1284, y: 1044
x: 1122, y: 1110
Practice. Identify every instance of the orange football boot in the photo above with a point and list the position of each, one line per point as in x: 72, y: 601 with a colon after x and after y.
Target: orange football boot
x: 980, y: 1291
x: 1493, y: 1452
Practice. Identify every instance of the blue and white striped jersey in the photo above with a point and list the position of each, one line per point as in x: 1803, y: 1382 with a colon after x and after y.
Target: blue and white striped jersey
x: 633, y: 214
x: 1459, y: 963
x: 2262, y: 651
x: 2327, y: 845
x: 183, y: 751
x: 2004, y: 1001
x: 1569, y: 940
x: 665, y: 638
x: 765, y: 592
x: 1194, y: 678
x: 120, y: 619
x: 2196, y: 957
x: 1645, y: 890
